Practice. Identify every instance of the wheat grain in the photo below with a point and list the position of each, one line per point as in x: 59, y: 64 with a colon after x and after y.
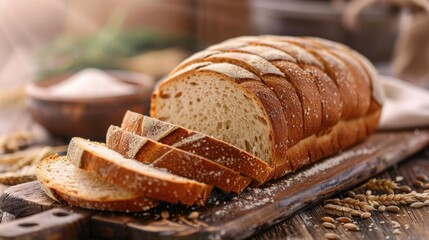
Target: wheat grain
x: 422, y: 177
x: 417, y: 204
x: 421, y: 196
x: 193, y: 215
x: 327, y: 219
x: 344, y: 219
x: 365, y: 215
x: 332, y: 236
x: 418, y: 183
x: 405, y: 188
x: 351, y: 226
x: 394, y: 209
x: 350, y: 193
x: 399, y: 178
x: 328, y: 225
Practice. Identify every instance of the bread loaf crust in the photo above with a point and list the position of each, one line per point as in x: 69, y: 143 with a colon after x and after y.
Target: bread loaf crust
x: 331, y: 91
x: 205, y: 146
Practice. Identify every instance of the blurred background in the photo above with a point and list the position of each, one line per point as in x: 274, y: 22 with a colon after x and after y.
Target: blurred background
x: 46, y: 39
x: 42, y: 38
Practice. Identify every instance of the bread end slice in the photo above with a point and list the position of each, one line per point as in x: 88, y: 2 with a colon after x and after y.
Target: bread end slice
x: 63, y: 182
x: 135, y: 176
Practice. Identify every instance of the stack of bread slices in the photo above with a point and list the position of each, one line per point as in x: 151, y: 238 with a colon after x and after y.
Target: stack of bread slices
x: 144, y: 162
x: 259, y: 108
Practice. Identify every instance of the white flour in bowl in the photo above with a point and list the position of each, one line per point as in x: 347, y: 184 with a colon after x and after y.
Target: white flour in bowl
x: 91, y: 83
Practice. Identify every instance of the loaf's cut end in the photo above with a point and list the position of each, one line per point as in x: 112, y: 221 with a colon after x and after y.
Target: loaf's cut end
x: 236, y: 116
x: 64, y: 182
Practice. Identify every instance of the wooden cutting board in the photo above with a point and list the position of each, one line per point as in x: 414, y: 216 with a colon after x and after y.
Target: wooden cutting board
x: 225, y: 217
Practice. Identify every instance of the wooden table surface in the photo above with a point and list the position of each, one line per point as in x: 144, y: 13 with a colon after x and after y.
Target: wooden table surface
x: 306, y: 224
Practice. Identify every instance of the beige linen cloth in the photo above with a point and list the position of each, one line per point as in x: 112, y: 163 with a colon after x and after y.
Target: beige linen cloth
x: 405, y: 105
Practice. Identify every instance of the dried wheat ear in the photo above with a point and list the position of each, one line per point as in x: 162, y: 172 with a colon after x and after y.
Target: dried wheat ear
x: 375, y: 195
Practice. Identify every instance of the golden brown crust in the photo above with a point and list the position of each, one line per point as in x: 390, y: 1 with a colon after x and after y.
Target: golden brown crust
x: 176, y: 161
x: 332, y: 141
x: 309, y: 94
x: 292, y: 107
x: 138, y: 204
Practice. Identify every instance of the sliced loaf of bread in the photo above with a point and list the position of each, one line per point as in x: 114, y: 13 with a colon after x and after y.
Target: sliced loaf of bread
x: 135, y: 176
x: 175, y: 161
x: 199, y: 144
x: 287, y: 100
x: 63, y: 182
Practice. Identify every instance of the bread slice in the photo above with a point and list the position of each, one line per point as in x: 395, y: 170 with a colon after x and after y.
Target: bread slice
x: 197, y: 143
x: 63, y: 182
x: 135, y: 176
x: 174, y: 160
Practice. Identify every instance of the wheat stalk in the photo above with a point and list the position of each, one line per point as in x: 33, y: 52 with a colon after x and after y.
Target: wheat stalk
x: 382, y: 185
x: 341, y: 211
x: 351, y: 203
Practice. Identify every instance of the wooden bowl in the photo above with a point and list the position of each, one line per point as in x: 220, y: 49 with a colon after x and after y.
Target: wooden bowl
x: 87, y: 117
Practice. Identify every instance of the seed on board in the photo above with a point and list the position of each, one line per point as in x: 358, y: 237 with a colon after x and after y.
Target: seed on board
x: 417, y: 204
x: 399, y: 178
x: 365, y: 215
x: 381, y: 208
x: 193, y: 215
x: 405, y: 188
x: 332, y: 236
x: 328, y: 219
x: 368, y: 192
x: 422, y: 177
x: 351, y: 226
x: 165, y: 214
x: 351, y: 194
x: 328, y: 225
x: 426, y: 186
x: 356, y: 213
x: 391, y: 208
x: 418, y: 183
x: 344, y: 219
x: 395, y: 224
x: 396, y: 231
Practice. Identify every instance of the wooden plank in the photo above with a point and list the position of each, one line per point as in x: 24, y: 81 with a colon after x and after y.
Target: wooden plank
x: 57, y: 223
x: 258, y: 208
x: 25, y: 199
x: 412, y: 223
